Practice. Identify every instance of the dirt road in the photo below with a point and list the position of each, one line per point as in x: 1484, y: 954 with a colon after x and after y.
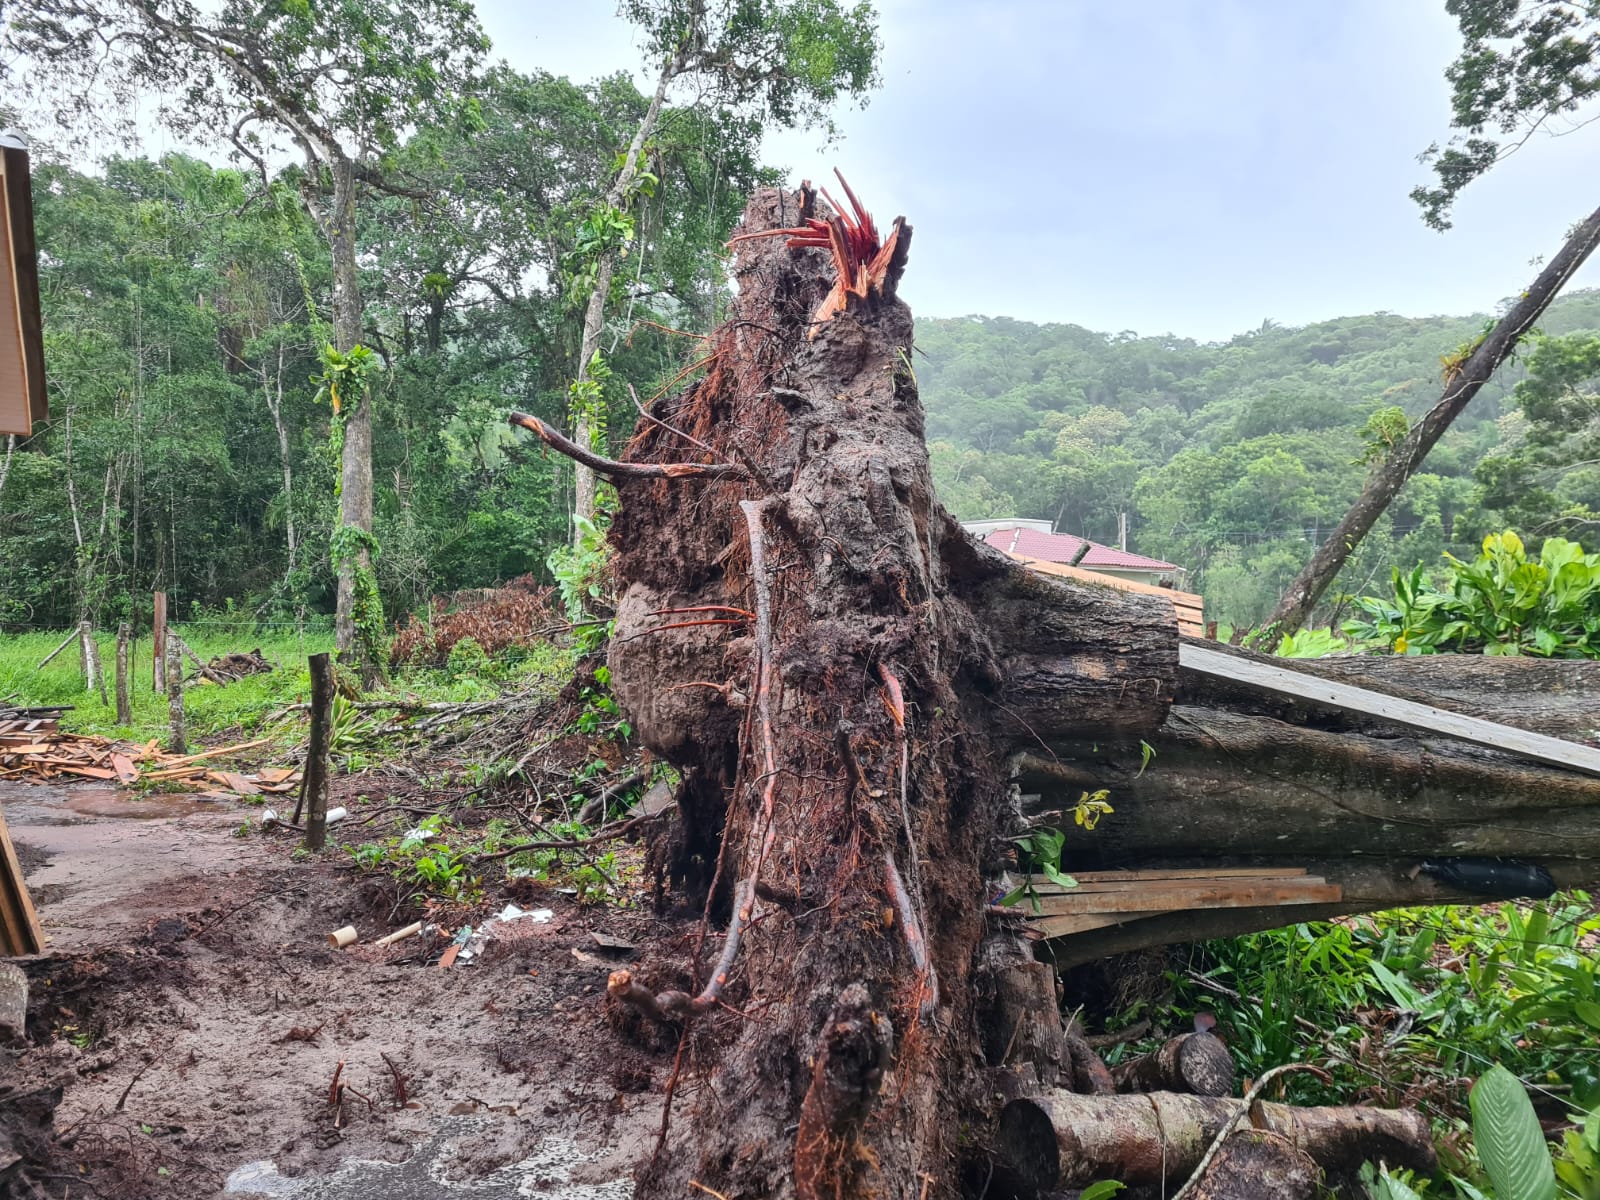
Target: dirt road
x: 195, y: 1015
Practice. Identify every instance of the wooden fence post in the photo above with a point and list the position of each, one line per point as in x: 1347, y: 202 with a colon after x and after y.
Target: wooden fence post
x: 158, y: 633
x: 315, y: 790
x: 179, y: 743
x: 94, y: 679
x: 124, y: 709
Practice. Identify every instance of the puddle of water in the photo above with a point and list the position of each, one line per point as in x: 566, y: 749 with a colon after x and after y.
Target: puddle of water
x: 109, y: 802
x: 544, y: 1175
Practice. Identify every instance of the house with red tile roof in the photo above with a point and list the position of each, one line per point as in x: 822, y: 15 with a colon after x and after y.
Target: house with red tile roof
x: 1033, y: 540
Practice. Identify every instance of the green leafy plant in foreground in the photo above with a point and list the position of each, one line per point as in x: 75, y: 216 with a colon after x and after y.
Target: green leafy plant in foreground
x: 1501, y: 603
x: 1039, y: 849
x: 1509, y: 1139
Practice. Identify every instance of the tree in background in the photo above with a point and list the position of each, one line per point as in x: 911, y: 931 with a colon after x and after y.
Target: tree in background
x: 341, y: 82
x: 782, y: 63
x: 1524, y: 64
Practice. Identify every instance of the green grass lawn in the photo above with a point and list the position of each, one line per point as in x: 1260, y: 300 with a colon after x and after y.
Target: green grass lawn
x: 211, y: 709
x: 239, y: 708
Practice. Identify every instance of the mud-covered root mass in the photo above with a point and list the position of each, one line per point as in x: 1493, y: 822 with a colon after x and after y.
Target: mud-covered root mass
x: 812, y: 639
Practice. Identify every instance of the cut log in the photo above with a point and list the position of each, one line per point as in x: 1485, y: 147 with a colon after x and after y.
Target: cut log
x: 1062, y: 1140
x: 1257, y: 1164
x: 1025, y: 1023
x: 1192, y: 1062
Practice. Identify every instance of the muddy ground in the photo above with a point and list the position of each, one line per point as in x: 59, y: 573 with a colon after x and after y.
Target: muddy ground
x: 194, y: 1015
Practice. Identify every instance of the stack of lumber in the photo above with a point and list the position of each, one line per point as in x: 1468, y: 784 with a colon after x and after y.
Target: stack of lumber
x: 1188, y: 608
x: 1104, y: 898
x: 68, y: 756
x: 26, y: 724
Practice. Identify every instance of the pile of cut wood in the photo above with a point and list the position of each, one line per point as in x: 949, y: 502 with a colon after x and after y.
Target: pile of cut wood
x: 1163, y: 1117
x: 229, y: 668
x: 38, y: 756
x: 29, y: 723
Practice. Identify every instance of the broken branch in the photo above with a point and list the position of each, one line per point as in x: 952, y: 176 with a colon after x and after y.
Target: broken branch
x: 621, y: 470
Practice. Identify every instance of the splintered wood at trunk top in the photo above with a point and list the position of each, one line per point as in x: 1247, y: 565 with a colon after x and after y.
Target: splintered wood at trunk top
x: 840, y: 673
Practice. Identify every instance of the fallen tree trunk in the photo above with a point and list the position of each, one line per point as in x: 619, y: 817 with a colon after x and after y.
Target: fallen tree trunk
x: 1063, y: 1140
x: 1240, y: 777
x: 1257, y: 1164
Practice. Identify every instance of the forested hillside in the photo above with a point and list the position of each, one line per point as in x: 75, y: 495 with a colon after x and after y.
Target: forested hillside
x: 1233, y: 459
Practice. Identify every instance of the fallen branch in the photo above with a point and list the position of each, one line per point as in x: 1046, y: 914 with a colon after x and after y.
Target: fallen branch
x: 620, y: 470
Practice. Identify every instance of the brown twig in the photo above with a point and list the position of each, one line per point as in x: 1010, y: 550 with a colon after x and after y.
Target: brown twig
x: 619, y: 470
x: 333, y: 1088
x: 399, y: 1080
x: 696, y: 1184
x: 605, y: 835
x: 911, y: 930
x: 123, y: 1099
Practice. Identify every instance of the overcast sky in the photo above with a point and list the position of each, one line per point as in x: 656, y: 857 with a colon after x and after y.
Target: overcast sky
x: 1187, y: 166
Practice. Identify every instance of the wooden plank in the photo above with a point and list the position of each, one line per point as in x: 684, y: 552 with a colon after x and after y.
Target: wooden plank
x: 217, y: 753
x: 240, y: 784
x: 123, y: 766
x: 1173, y: 896
x: 1127, y: 585
x: 1413, y: 715
x: 19, y: 923
x: 1113, y: 881
x: 1162, y: 873
x: 1066, y: 925
x: 88, y: 772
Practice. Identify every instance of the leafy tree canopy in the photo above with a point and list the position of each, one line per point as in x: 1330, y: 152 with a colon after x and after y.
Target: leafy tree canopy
x: 1523, y: 65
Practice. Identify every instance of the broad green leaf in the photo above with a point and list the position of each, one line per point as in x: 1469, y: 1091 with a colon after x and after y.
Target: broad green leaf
x: 1101, y: 1190
x: 1588, y: 1012
x: 1509, y: 1139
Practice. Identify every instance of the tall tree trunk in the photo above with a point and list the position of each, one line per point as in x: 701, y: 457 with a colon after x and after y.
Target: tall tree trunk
x: 1387, y: 480
x: 594, y: 313
x: 5, y: 463
x: 273, y: 393
x: 843, y: 734
x: 355, y: 468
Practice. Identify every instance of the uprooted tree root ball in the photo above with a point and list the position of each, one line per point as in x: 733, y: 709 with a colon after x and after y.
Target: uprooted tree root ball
x: 811, y: 639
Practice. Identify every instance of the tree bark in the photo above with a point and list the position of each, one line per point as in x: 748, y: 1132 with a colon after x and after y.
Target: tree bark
x: 314, y: 793
x: 1386, y: 481
x: 1242, y: 778
x: 178, y: 739
x: 843, y: 737
x: 355, y: 464
x: 274, y: 398
x: 1062, y: 1140
x: 124, y: 708
x: 1257, y: 1164
x: 594, y: 313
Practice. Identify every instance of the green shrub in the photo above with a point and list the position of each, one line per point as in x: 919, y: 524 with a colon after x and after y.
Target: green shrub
x: 1502, y: 602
